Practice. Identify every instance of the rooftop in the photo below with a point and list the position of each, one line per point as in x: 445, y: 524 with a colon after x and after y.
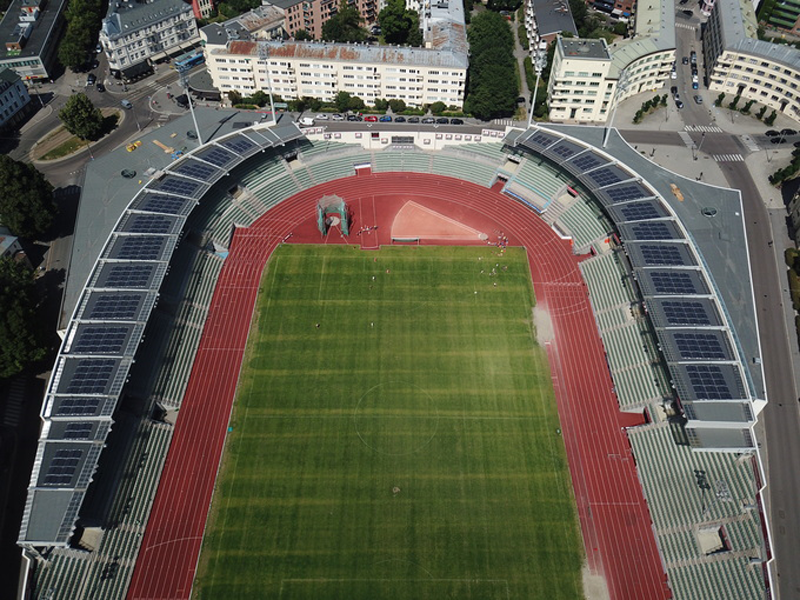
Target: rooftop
x: 352, y: 53
x: 580, y: 48
x: 106, y: 192
x: 553, y: 16
x: 125, y: 16
x: 40, y: 35
x: 654, y: 32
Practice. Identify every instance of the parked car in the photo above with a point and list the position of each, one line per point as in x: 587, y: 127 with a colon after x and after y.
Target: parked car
x: 337, y: 117
x: 353, y: 118
x: 679, y: 104
x: 385, y: 119
x: 788, y: 131
x: 688, y: 13
x: 693, y: 57
x: 443, y: 121
x: 413, y: 119
x: 98, y: 49
x: 698, y: 99
x: 685, y: 60
x: 100, y: 87
x: 797, y: 144
x: 371, y: 119
x: 91, y: 79
x: 456, y: 121
x: 428, y: 120
x: 674, y: 74
x: 772, y: 133
x: 673, y: 90
x: 695, y: 85
x: 400, y: 119
x: 321, y: 117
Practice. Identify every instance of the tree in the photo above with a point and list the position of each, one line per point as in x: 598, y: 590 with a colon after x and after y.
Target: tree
x: 770, y: 119
x: 492, y: 80
x: 342, y: 101
x: 344, y: 26
x: 303, y: 36
x: 356, y: 104
x: 27, y: 207
x: 437, y: 108
x: 399, y: 25
x: 71, y: 52
x: 21, y: 340
x: 81, y: 118
x: 397, y: 105
x: 381, y: 105
x: 234, y: 97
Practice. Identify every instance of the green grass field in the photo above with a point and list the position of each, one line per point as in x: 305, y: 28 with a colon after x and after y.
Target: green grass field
x: 406, y: 449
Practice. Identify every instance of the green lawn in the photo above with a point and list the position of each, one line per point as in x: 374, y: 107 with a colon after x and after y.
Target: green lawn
x: 406, y: 449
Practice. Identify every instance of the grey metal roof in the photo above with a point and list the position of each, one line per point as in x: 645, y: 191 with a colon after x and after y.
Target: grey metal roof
x: 784, y: 54
x: 102, y: 338
x: 553, y: 16
x: 42, y: 34
x: 126, y: 16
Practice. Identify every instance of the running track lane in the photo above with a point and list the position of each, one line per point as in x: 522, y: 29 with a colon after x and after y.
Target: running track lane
x: 614, y: 518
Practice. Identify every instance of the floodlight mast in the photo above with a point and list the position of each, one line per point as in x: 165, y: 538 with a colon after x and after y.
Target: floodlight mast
x: 184, y: 79
x: 539, y: 60
x: 622, y: 86
x: 263, y: 56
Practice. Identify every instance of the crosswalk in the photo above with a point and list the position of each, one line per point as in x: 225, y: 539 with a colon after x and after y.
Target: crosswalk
x: 703, y: 128
x: 685, y: 26
x: 503, y: 122
x: 749, y: 143
x: 686, y: 139
x: 728, y: 157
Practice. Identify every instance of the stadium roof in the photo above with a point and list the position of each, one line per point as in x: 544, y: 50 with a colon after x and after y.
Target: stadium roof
x: 130, y: 251
x: 657, y: 235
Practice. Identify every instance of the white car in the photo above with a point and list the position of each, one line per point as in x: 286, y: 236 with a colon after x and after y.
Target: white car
x: 321, y: 117
x: 337, y: 117
x: 673, y: 75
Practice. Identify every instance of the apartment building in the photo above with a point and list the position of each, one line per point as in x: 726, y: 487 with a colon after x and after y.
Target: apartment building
x: 135, y: 34
x: 29, y: 31
x: 588, y: 76
x: 14, y: 98
x: 738, y: 63
x: 311, y: 15
x: 546, y: 19
x: 435, y: 73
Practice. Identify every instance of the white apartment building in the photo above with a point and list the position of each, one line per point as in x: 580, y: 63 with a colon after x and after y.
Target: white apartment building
x: 737, y: 62
x: 135, y: 33
x: 435, y: 73
x: 588, y: 76
x: 13, y: 97
x: 319, y: 70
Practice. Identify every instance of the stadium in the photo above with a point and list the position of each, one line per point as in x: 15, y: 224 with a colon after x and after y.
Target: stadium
x: 652, y: 363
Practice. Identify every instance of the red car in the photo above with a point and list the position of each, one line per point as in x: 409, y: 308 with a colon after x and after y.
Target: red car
x: 371, y: 119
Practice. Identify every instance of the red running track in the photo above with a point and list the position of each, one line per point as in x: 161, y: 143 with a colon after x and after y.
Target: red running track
x: 615, y: 522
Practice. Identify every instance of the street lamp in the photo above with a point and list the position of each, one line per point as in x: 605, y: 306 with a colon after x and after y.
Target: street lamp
x: 183, y: 74
x: 700, y: 145
x: 539, y: 59
x: 622, y: 86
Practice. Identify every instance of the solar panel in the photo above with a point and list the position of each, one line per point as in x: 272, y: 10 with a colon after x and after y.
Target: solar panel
x: 673, y: 282
x: 138, y: 247
x: 700, y: 345
x: 116, y: 307
x: 78, y: 431
x: 77, y: 406
x: 126, y: 276
x: 540, y: 140
x: 157, y: 224
x: 639, y: 211
x: 239, y: 144
x: 198, y: 170
x: 603, y: 177
x: 651, y: 231
x: 708, y: 382
x: 628, y: 191
x: 565, y: 149
x: 62, y: 467
x: 216, y: 156
x: 686, y: 312
x: 661, y: 255
x: 162, y: 204
x: 176, y: 185
x: 588, y: 161
x: 100, y: 339
x: 91, y: 376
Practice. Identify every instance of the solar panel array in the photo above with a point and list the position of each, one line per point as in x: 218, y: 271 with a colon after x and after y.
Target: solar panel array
x: 106, y: 329
x: 676, y: 291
